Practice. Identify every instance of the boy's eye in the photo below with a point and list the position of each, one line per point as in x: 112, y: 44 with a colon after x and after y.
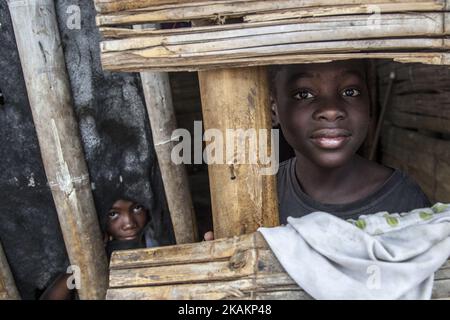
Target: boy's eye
x: 351, y: 92
x: 112, y: 214
x: 138, y: 208
x: 303, y: 95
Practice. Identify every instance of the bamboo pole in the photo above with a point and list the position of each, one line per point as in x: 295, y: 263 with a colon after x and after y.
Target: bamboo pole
x: 8, y: 289
x: 48, y: 88
x: 242, y: 198
x: 158, y: 98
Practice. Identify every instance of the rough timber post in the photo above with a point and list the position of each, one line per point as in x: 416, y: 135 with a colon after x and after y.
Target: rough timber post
x: 242, y: 198
x: 158, y: 98
x: 8, y: 289
x: 47, y: 83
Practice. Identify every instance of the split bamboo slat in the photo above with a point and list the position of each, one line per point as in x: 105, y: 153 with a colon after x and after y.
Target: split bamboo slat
x: 250, y: 33
x: 237, y: 268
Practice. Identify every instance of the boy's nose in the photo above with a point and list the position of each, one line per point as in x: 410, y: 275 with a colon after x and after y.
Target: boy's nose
x: 128, y: 222
x: 329, y: 111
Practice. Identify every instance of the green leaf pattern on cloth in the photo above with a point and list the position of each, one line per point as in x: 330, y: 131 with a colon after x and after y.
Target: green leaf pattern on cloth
x: 440, y: 207
x: 383, y: 222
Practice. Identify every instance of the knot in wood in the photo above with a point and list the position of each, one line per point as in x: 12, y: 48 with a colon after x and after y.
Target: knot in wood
x: 238, y: 260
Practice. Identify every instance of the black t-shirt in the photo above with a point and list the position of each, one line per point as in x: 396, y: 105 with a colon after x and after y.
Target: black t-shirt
x: 399, y: 193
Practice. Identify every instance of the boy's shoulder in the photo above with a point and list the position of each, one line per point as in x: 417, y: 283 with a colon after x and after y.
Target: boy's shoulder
x: 402, y: 193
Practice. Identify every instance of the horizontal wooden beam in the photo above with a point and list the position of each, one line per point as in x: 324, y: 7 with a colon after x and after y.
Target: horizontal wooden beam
x: 310, y: 30
x: 236, y: 268
x: 263, y: 43
x: 135, y: 12
x: 420, y: 121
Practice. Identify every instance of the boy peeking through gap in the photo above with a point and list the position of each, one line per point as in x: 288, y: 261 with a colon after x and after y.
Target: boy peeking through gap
x: 324, y: 112
x: 126, y: 225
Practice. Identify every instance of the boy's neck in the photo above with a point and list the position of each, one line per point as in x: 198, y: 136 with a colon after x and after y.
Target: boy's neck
x: 330, y: 185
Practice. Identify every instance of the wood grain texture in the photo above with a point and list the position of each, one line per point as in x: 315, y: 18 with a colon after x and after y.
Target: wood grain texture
x: 244, y: 199
x: 429, y: 167
x: 47, y: 82
x: 259, y: 43
x: 270, y: 31
x: 133, y: 12
x: 241, y: 268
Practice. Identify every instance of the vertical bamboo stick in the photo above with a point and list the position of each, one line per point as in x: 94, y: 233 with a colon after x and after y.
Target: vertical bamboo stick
x: 242, y: 198
x: 47, y: 83
x: 8, y: 289
x: 158, y: 98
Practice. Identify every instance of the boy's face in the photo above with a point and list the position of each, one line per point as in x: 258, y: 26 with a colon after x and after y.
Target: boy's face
x: 126, y: 220
x: 323, y: 110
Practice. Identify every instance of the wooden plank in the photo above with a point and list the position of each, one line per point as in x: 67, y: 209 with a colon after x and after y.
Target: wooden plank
x: 154, y: 58
x: 222, y: 10
x: 309, y: 30
x: 206, y: 251
x: 429, y: 167
x: 185, y: 64
x: 441, y: 289
x: 246, y: 272
x: 419, y: 121
x: 42, y: 58
x: 419, y: 103
x: 8, y: 289
x: 275, y: 286
x: 297, y: 13
x: 242, y: 197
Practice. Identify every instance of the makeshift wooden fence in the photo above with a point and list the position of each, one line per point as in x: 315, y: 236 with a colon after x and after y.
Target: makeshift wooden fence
x: 247, y: 34
x: 271, y: 32
x: 237, y: 268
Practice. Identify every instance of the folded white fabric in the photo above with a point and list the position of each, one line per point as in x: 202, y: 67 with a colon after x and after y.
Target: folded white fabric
x: 381, y: 256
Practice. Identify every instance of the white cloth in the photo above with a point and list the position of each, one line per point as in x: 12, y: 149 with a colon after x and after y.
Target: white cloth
x: 381, y: 256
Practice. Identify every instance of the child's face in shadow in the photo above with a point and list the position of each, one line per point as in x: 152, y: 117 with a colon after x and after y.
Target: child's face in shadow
x: 126, y: 220
x: 323, y: 110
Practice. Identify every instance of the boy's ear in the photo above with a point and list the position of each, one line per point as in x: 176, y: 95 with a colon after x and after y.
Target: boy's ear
x: 274, y: 110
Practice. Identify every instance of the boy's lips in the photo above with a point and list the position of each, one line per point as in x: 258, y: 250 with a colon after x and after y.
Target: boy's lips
x: 330, y: 138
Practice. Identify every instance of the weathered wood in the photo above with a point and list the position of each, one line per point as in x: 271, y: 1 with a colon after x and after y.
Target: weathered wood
x: 42, y: 59
x: 390, y: 7
x: 308, y: 30
x: 419, y: 121
x: 243, y: 199
x: 311, y: 27
x: 318, y: 35
x: 420, y: 103
x: 161, y: 114
x: 138, y: 12
x: 8, y: 289
x: 131, y: 61
x: 429, y: 167
x: 237, y: 268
